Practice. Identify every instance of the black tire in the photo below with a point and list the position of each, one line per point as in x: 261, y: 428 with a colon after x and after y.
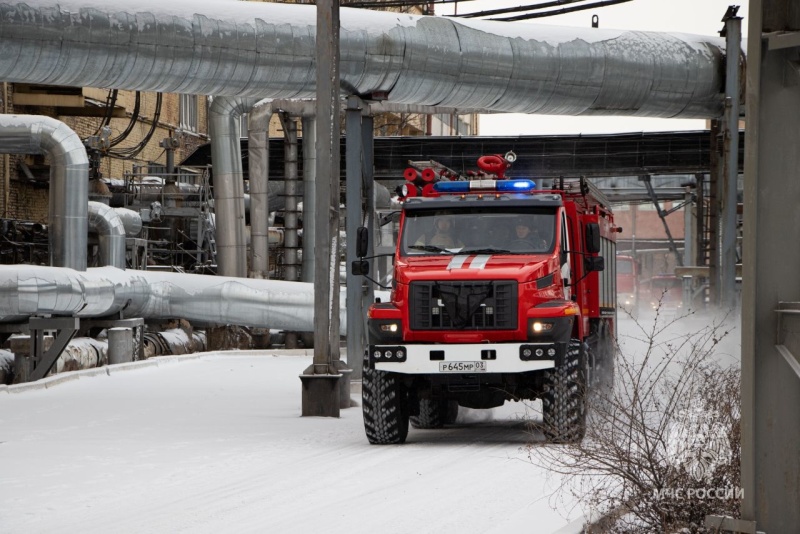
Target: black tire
x: 564, y: 399
x: 433, y: 413
x: 604, y: 363
x: 385, y: 407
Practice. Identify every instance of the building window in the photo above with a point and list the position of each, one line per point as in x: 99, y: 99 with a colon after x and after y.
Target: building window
x: 188, y: 112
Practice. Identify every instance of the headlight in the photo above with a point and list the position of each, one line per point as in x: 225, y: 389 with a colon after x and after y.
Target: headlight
x: 538, y: 327
x: 385, y: 331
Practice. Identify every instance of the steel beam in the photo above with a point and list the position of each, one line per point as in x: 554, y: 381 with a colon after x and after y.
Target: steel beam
x: 317, y: 398
x: 368, y: 153
x: 770, y: 390
x: 651, y: 153
x: 42, y: 360
x: 730, y: 174
x: 355, y: 217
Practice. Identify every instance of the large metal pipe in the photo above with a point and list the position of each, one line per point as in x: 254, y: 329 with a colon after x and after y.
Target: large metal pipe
x: 131, y: 221
x: 107, y: 224
x: 27, y: 290
x: 267, y: 50
x: 69, y: 180
x: 226, y: 152
x: 258, y: 165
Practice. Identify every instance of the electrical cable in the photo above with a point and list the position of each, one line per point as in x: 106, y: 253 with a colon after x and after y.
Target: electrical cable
x: 396, y: 3
x: 489, y: 12
x: 132, y: 152
x: 111, y: 101
x: 560, y: 11
x: 134, y: 117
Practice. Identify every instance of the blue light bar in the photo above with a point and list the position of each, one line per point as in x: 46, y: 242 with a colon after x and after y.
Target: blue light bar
x: 500, y: 186
x: 451, y: 187
x: 515, y: 186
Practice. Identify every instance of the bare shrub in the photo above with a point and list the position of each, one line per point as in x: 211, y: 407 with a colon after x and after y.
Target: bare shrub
x: 662, y: 448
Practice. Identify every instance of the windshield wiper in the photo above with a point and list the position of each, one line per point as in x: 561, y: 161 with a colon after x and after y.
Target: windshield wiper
x: 486, y: 250
x: 428, y: 248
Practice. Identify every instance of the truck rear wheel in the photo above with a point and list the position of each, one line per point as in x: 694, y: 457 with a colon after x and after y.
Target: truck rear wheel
x: 604, y: 353
x: 564, y: 400
x: 435, y: 413
x: 385, y: 407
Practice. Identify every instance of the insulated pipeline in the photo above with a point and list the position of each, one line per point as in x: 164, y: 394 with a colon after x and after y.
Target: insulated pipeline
x: 266, y: 50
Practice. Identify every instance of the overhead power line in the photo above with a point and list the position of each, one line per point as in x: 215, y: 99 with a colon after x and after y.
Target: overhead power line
x: 396, y: 3
x: 550, y: 13
x: 531, y: 7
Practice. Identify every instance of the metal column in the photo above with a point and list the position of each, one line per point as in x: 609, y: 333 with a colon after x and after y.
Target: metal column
x: 730, y: 175
x: 320, y: 381
x: 689, y: 240
x: 290, y: 240
x: 771, y: 263
x: 356, y: 334
x: 368, y: 165
x: 309, y: 193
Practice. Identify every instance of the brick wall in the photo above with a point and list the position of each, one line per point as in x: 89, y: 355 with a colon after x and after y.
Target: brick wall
x: 648, y: 224
x: 28, y: 201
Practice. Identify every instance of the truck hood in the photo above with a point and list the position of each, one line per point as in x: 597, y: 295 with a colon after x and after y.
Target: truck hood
x: 475, y: 267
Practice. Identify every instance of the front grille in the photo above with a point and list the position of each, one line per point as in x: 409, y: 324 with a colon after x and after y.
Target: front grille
x: 468, y: 305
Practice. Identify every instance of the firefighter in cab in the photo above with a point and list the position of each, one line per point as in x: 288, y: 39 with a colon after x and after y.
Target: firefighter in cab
x: 443, y: 235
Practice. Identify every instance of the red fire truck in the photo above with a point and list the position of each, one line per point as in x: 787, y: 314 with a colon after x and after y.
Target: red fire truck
x: 516, y: 302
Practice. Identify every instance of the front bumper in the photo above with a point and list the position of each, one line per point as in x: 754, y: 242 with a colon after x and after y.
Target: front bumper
x: 468, y: 358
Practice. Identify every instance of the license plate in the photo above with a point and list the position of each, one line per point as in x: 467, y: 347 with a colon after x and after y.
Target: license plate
x: 462, y: 367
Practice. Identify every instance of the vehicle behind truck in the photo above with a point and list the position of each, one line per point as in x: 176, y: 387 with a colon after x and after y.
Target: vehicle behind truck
x: 501, y: 292
x: 628, y: 285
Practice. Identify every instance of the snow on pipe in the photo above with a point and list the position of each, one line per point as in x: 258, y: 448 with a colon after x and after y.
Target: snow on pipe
x: 69, y: 180
x: 107, y: 224
x: 27, y: 290
x: 267, y: 50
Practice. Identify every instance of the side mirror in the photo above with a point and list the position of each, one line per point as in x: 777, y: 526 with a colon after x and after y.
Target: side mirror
x: 360, y: 268
x: 592, y: 238
x: 596, y: 263
x: 362, y: 242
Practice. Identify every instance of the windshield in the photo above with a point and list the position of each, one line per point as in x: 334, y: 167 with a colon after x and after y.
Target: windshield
x: 478, y: 231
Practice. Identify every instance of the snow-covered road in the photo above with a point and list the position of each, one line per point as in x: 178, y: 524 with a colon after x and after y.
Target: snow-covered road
x: 217, y: 444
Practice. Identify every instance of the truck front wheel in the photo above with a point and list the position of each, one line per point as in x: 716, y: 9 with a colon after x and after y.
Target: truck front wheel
x: 385, y: 407
x: 564, y: 400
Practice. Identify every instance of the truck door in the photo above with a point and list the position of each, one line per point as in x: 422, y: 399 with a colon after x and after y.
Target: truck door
x: 565, y: 256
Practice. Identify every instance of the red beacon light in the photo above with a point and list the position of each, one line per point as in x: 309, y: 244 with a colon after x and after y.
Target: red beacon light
x: 472, y: 186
